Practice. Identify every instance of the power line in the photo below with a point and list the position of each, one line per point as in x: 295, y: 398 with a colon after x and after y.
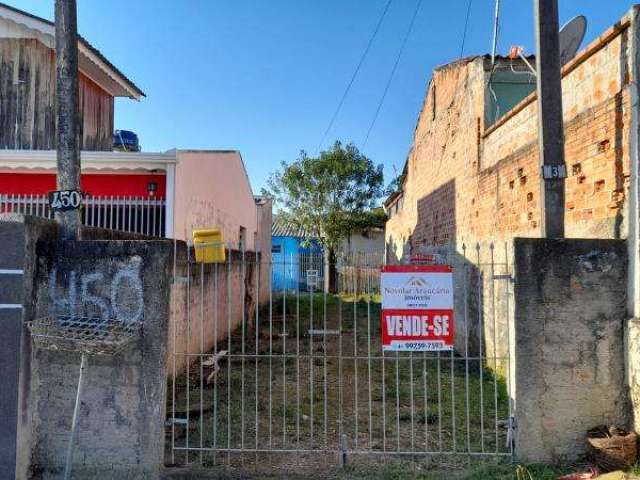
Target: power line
x: 466, y: 26
x: 393, y: 71
x: 355, y: 73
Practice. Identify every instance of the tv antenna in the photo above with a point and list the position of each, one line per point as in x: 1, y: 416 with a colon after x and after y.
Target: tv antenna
x: 571, y: 37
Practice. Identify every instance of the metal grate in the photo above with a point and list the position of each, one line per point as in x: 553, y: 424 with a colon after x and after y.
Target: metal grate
x: 90, y: 335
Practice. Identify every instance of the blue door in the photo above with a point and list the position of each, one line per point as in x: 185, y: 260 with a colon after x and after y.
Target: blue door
x: 285, y: 260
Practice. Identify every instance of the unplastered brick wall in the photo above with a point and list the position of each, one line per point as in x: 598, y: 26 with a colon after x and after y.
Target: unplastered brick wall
x: 443, y: 155
x: 468, y: 182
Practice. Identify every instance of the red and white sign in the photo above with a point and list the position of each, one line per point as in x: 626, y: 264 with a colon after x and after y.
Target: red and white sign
x: 417, y: 307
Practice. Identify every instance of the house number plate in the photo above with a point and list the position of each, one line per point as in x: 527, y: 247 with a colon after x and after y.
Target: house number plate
x: 65, y: 199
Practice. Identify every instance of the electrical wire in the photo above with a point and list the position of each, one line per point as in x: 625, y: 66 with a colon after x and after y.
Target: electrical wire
x: 393, y: 71
x: 466, y: 26
x: 355, y: 73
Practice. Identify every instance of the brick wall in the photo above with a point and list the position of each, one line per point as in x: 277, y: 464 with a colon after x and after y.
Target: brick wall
x: 444, y: 151
x: 467, y: 182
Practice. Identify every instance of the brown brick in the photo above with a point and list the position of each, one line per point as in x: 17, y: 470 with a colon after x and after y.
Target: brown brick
x: 461, y: 185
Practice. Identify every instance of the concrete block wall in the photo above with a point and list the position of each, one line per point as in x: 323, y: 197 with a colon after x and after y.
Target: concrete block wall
x: 121, y: 427
x: 570, y: 309
x: 121, y: 424
x: 214, y: 303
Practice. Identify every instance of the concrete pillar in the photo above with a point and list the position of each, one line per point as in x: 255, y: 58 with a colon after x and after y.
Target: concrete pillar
x: 570, y: 308
x: 121, y: 424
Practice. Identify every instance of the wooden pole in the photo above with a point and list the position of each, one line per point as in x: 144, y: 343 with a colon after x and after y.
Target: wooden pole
x: 550, y: 123
x: 67, y: 112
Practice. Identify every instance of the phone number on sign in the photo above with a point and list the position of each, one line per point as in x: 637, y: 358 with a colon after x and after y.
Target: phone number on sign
x: 417, y: 347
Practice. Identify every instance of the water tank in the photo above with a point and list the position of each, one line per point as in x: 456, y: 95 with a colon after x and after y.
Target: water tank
x: 125, y: 141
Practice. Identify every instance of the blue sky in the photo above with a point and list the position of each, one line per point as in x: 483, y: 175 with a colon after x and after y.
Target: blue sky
x: 265, y: 76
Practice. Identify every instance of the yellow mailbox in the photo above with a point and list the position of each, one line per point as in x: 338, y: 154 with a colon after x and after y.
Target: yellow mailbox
x: 209, y: 245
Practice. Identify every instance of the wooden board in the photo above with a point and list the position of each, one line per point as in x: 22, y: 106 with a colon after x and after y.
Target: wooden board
x: 27, y: 100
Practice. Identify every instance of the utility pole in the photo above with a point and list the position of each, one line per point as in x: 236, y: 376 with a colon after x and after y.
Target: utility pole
x: 550, y: 123
x: 67, y: 129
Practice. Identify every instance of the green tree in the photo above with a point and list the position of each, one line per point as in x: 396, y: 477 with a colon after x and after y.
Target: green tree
x: 329, y: 195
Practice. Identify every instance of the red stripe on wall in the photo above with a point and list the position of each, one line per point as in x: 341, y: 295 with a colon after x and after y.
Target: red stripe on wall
x: 94, y: 184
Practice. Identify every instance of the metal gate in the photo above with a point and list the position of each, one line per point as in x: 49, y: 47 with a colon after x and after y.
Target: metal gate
x: 297, y: 377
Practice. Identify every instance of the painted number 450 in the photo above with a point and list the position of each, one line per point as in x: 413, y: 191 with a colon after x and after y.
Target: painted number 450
x: 65, y: 199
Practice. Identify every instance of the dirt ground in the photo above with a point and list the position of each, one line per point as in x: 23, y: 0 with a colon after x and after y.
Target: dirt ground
x: 485, y: 470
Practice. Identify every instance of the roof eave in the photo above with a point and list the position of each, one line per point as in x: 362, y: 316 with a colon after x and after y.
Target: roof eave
x: 47, y: 27
x: 17, y: 160
x: 93, y: 54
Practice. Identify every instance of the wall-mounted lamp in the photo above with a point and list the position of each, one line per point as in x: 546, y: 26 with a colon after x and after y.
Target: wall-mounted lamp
x: 152, y: 188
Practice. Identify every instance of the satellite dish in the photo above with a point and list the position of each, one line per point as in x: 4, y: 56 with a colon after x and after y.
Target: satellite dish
x: 571, y: 37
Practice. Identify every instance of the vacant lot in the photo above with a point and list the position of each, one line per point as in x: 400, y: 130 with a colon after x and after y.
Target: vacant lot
x: 305, y: 385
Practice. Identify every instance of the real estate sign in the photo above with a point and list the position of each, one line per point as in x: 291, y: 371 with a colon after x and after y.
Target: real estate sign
x: 417, y: 307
